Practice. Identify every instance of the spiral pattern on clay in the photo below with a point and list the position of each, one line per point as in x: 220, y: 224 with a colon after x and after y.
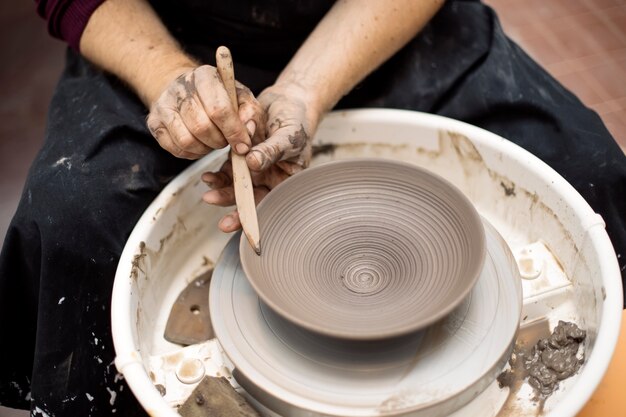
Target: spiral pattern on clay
x: 365, y: 249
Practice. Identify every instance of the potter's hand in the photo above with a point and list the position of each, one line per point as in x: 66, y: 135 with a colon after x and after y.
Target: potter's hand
x: 291, y: 123
x: 194, y: 115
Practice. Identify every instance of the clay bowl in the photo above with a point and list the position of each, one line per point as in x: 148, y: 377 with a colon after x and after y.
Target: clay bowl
x: 365, y: 249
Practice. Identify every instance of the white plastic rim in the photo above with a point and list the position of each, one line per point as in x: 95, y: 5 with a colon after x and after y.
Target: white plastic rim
x: 129, y: 361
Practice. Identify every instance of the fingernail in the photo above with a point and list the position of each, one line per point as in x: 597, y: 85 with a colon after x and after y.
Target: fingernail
x: 257, y: 160
x: 227, y: 221
x: 207, y: 178
x: 210, y: 197
x: 242, y: 148
x: 251, y: 127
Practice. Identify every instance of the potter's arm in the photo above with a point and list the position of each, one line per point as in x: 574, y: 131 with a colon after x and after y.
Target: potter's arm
x: 353, y: 39
x: 127, y: 38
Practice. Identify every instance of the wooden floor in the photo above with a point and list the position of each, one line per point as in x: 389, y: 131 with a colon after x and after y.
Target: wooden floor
x: 582, y: 43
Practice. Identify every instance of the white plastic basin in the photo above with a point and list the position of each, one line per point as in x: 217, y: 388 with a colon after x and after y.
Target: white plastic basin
x: 557, y: 238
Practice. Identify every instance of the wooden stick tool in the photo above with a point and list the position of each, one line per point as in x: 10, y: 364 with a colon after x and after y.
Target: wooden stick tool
x: 244, y: 193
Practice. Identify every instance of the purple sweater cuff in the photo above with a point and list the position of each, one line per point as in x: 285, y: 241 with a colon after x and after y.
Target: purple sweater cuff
x: 67, y: 18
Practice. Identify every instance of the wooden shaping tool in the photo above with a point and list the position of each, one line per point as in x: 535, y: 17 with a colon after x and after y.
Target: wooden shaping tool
x: 244, y: 193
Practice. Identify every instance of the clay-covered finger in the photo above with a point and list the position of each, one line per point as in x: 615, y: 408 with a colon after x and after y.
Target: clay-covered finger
x: 230, y: 222
x: 277, y: 147
x: 234, y: 131
x: 227, y: 168
x: 271, y: 178
x: 181, y: 153
x: 222, y: 197
x: 259, y: 159
x: 216, y: 179
x: 260, y: 193
x: 285, y: 142
x: 199, y: 125
x: 162, y: 135
x: 182, y: 137
x: 225, y: 196
x: 221, y: 111
x: 290, y: 168
x: 221, y: 178
x: 251, y: 114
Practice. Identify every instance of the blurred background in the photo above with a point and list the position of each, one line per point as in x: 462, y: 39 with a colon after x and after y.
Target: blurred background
x: 580, y: 42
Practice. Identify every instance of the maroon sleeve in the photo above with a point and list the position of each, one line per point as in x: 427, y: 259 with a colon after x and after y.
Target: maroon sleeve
x: 67, y: 18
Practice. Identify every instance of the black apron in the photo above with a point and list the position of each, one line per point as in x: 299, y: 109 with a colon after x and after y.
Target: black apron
x: 99, y: 168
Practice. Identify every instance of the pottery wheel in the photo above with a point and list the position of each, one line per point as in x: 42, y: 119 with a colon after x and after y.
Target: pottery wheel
x: 434, y: 371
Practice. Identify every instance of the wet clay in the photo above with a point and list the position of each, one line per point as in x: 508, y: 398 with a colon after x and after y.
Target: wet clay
x: 554, y: 359
x: 550, y: 359
x: 515, y: 377
x: 365, y: 249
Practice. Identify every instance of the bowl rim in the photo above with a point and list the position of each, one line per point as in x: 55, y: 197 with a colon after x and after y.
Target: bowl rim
x: 475, y: 271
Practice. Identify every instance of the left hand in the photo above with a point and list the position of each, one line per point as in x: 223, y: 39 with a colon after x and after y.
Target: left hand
x: 291, y: 123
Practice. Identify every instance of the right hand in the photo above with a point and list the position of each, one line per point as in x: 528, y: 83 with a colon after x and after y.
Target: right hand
x: 194, y: 115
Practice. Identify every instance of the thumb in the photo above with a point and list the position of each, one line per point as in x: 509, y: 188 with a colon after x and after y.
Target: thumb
x: 283, y: 144
x: 262, y: 156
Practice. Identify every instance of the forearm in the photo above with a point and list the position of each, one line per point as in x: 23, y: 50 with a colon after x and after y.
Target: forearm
x: 127, y: 38
x: 352, y: 40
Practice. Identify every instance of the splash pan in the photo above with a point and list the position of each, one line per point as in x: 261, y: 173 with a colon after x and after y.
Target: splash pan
x: 559, y: 244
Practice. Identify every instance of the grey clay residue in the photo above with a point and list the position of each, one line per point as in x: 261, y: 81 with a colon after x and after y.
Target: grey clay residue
x: 550, y: 360
x: 554, y: 359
